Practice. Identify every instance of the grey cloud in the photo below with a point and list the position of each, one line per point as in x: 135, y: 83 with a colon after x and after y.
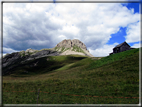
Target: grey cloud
x: 37, y: 27
x: 89, y: 39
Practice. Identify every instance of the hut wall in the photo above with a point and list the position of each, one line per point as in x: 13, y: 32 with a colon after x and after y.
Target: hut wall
x: 116, y: 50
x: 124, y: 47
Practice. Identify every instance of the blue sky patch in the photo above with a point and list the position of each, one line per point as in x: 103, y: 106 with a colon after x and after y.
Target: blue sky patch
x: 118, y: 37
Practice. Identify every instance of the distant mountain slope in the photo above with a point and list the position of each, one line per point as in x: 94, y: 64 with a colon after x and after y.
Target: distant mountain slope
x: 65, y: 47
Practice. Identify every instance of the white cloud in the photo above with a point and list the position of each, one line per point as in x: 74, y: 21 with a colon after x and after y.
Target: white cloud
x: 8, y: 50
x: 136, y: 45
x: 103, y: 51
x: 46, y: 24
x: 70, y: 29
x: 133, y: 32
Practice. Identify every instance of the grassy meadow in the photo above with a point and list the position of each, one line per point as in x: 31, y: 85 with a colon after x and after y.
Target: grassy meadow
x: 75, y: 79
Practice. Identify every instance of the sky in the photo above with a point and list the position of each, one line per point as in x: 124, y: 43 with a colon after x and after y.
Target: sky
x: 100, y: 26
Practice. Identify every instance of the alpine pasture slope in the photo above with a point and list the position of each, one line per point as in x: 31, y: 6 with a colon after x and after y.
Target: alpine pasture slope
x: 75, y: 79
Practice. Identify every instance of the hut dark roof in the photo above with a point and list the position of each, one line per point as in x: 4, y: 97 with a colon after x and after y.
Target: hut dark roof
x: 120, y: 45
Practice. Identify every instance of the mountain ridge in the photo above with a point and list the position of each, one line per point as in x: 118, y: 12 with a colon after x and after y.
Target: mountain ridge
x: 10, y: 61
x: 74, y: 46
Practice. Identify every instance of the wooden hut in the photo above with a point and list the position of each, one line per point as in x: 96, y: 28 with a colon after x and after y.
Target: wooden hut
x: 121, y: 47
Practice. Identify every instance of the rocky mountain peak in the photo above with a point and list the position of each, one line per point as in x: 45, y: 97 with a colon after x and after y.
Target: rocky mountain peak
x: 70, y: 43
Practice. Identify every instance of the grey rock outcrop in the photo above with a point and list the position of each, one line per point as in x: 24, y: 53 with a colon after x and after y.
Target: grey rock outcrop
x: 11, y: 61
x: 65, y: 43
x: 30, y: 50
x: 42, y: 53
x: 70, y: 43
x: 78, y: 43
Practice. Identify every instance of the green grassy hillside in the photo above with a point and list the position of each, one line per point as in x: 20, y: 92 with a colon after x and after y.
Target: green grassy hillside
x: 76, y: 80
x: 44, y: 65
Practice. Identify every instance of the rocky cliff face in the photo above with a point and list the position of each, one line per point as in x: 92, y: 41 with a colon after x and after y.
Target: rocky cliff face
x: 70, y: 43
x: 70, y: 47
